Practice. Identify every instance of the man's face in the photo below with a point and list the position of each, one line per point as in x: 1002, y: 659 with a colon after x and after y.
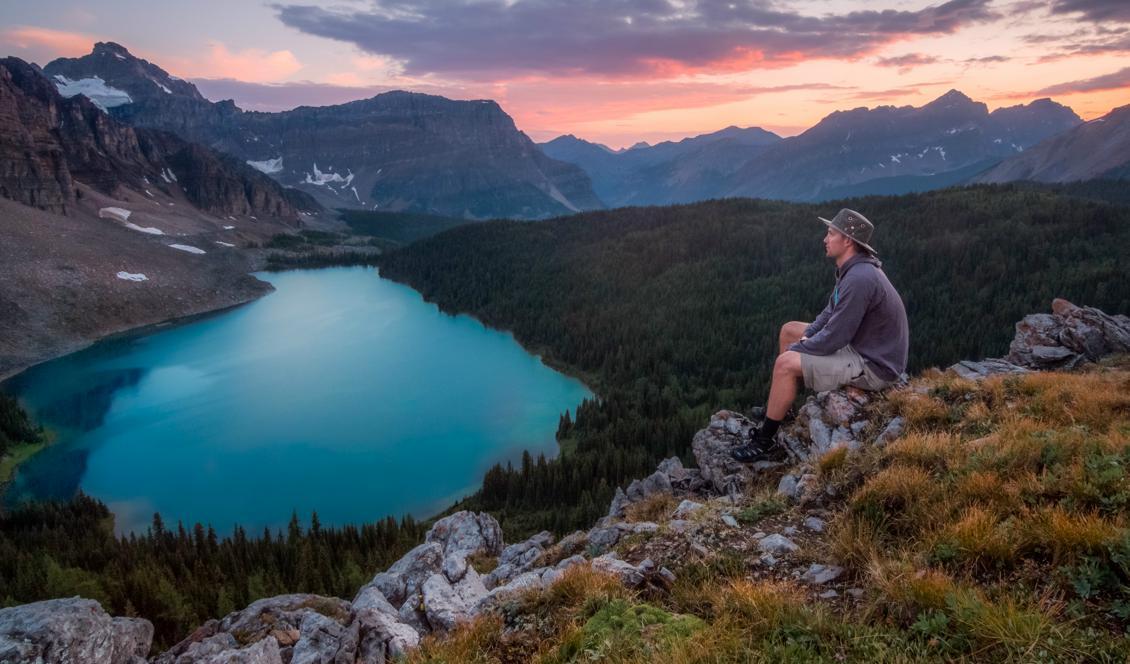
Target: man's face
x: 836, y: 244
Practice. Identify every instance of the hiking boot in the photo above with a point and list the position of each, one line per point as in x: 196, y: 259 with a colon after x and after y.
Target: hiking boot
x: 759, y: 448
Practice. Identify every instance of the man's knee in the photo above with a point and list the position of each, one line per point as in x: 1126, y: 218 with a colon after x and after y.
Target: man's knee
x: 792, y: 331
x: 788, y: 362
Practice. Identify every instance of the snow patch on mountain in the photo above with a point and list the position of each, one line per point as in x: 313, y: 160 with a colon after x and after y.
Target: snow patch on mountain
x: 94, y: 89
x: 269, y: 166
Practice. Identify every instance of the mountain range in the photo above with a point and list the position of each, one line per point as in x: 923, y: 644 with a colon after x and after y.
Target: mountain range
x: 397, y: 151
x: 884, y: 150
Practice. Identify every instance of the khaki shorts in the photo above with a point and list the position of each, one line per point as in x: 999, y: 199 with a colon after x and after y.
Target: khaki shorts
x: 843, y: 367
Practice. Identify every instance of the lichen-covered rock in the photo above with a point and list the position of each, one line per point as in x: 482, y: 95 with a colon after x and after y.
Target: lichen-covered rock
x: 465, y: 534
x: 407, y: 575
x: 776, y: 544
x: 265, y: 651
x: 319, y: 641
x: 447, y: 605
x: 1067, y: 337
x: 74, y: 630
x: 712, y: 446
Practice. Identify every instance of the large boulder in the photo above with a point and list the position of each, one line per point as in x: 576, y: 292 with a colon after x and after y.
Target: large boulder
x: 71, y: 631
x: 465, y: 534
x: 712, y: 446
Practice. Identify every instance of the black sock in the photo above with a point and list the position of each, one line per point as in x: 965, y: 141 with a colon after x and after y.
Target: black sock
x: 769, y: 427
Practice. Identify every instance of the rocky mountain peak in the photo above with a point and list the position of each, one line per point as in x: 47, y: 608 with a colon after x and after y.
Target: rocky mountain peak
x: 116, y: 68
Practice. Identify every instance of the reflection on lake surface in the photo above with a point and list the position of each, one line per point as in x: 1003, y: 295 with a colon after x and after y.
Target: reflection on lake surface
x: 341, y: 392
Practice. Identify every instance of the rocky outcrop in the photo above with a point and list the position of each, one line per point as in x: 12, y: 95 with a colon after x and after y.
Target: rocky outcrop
x: 71, y: 631
x: 1068, y: 337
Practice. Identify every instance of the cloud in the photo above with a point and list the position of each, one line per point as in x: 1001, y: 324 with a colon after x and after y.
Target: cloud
x: 908, y: 61
x: 59, y: 43
x: 988, y: 59
x: 1112, y: 81
x: 252, y: 64
x: 490, y: 38
x: 1098, y: 11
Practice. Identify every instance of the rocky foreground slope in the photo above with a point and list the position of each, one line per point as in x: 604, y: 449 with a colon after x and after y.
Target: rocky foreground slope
x: 763, y: 529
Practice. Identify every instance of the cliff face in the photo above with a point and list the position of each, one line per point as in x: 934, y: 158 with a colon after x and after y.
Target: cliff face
x: 396, y: 151
x: 49, y: 142
x: 884, y: 513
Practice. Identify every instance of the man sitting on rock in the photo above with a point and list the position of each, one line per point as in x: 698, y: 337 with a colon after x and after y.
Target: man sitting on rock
x: 859, y: 339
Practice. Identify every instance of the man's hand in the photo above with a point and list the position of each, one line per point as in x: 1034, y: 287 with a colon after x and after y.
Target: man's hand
x: 804, y: 338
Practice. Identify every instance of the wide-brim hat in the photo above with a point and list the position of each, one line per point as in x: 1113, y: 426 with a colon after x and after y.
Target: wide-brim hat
x: 854, y: 225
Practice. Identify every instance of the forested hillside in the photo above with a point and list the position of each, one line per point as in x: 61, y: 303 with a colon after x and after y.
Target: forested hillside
x: 672, y: 313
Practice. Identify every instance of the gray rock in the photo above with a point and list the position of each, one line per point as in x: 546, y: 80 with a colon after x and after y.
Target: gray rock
x: 1067, y: 337
x: 627, y: 573
x: 573, y: 543
x: 411, y: 614
x: 787, y: 486
x: 711, y: 446
x: 319, y: 641
x: 855, y: 592
x: 729, y: 520
x: 447, y: 605
x: 551, y: 576
x: 673, y: 469
x: 820, y: 437
x: 412, y: 570
x: 686, y: 508
x: 654, y: 484
x: 679, y: 525
x: 62, y: 631
x: 201, y: 650
x: 465, y: 534
x: 571, y: 561
x: 602, y: 539
x: 280, y: 612
x: 977, y: 370
x: 645, y: 527
x: 815, y: 524
x: 892, y: 431
x: 776, y: 544
x: 818, y: 574
x: 383, y: 634
x: 454, y: 567
x: 619, y: 504
x: 829, y: 594
x: 264, y: 651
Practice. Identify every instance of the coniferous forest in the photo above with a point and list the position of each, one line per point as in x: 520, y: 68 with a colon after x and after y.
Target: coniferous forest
x: 669, y: 314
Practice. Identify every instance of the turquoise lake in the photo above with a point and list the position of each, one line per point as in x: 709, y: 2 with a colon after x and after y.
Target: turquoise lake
x: 340, y: 392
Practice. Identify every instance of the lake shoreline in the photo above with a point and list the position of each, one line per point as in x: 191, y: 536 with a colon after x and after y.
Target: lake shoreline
x: 539, y: 439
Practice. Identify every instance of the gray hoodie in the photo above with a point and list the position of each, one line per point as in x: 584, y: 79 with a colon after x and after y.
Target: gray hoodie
x: 865, y: 311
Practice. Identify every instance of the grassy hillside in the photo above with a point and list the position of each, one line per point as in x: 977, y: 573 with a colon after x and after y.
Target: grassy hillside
x: 995, y: 529
x: 672, y: 313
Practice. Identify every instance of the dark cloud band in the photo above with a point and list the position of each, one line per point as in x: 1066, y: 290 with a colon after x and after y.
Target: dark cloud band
x: 614, y: 37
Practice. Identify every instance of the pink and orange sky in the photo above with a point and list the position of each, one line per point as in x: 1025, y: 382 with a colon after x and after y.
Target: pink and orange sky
x: 612, y: 71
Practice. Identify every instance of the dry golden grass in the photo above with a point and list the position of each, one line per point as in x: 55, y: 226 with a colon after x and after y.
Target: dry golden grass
x: 653, y: 508
x: 832, y: 460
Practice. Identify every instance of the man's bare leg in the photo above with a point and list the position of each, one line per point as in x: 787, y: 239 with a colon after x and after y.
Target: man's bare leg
x: 782, y: 392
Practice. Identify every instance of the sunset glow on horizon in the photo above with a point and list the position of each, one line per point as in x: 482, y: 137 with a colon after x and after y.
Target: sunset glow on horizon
x: 614, y: 72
